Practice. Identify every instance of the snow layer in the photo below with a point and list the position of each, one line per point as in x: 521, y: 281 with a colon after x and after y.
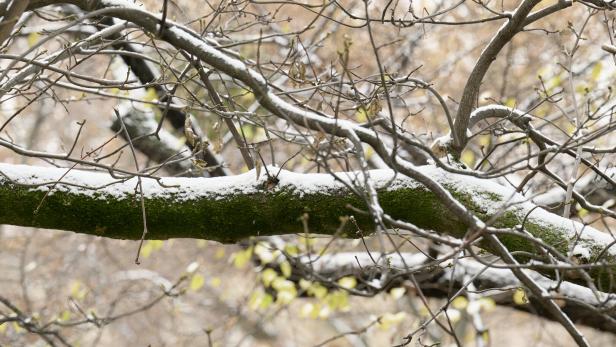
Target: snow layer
x: 100, y: 184
x: 119, y: 3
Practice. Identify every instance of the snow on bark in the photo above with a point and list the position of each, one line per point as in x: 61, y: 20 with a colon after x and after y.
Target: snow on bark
x: 485, y: 197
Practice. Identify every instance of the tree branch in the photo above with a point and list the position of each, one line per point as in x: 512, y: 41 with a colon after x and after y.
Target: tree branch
x: 488, y: 55
x: 229, y: 209
x: 438, y: 278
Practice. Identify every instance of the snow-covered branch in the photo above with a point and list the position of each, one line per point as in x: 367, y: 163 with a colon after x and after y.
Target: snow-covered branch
x: 229, y: 209
x: 438, y: 278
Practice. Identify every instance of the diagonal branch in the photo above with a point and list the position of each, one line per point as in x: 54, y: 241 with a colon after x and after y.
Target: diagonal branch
x: 488, y: 55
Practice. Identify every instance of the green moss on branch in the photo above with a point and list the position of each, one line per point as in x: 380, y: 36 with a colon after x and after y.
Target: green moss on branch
x: 231, y: 214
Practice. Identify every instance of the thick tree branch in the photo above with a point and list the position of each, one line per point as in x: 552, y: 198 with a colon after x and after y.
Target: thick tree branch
x: 229, y: 209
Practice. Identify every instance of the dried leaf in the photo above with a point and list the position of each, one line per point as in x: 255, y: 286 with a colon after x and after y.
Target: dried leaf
x: 191, y: 137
